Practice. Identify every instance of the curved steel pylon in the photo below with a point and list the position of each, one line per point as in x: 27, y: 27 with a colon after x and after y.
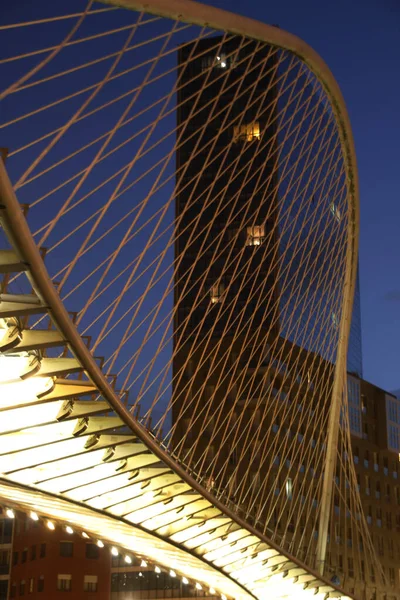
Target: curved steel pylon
x: 91, y: 462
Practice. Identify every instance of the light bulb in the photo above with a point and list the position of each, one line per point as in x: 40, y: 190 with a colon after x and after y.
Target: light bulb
x: 185, y: 580
x: 212, y: 591
x: 69, y: 529
x: 51, y: 525
x: 143, y: 563
x: 172, y: 573
x: 10, y: 513
x: 100, y: 544
x: 34, y: 516
x: 128, y: 560
x: 198, y: 586
x: 114, y: 551
x: 85, y: 535
x: 157, y: 570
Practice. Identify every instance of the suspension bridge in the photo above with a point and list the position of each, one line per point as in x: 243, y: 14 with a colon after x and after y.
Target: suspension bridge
x: 179, y: 229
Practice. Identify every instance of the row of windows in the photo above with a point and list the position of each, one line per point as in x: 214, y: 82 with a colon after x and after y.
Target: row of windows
x: 373, y: 459
x: 150, y: 580
x: 64, y: 584
x: 351, y: 572
x: 33, y: 554
x: 66, y: 550
x: 30, y: 587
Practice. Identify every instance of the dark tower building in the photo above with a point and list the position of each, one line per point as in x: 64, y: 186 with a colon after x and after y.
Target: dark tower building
x: 226, y: 214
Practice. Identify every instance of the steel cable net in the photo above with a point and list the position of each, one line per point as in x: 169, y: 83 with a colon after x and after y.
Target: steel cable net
x: 189, y: 191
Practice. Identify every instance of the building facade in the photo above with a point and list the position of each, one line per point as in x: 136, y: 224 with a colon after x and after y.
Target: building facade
x: 218, y: 215
x: 6, y: 534
x: 52, y: 563
x: 375, y: 427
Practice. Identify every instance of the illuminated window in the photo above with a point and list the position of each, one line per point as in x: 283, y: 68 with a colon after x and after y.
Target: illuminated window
x: 289, y: 488
x: 220, y: 61
x: 336, y: 212
x: 90, y: 583
x: 216, y: 292
x: 246, y: 133
x: 255, y: 235
x: 64, y: 583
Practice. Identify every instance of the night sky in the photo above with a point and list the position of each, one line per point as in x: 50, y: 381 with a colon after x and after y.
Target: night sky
x: 360, y: 42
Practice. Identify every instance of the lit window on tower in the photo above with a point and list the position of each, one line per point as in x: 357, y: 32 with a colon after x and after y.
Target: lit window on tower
x: 255, y: 235
x: 216, y: 292
x: 221, y: 61
x: 336, y: 212
x: 246, y: 133
x: 289, y: 489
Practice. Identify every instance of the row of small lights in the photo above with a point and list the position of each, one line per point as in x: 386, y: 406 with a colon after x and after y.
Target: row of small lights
x: 114, y: 551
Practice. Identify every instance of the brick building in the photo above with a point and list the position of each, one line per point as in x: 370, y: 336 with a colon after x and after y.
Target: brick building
x: 48, y: 563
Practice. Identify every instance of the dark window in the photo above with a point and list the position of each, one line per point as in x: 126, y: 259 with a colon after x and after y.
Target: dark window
x: 24, y: 555
x: 13, y: 591
x: 33, y: 552
x: 92, y: 551
x: 31, y: 584
x: 15, y: 558
x: 66, y: 548
x: 22, y: 587
x: 6, y: 527
x: 40, y: 584
x: 4, y: 562
x: 42, y: 550
x: 3, y: 588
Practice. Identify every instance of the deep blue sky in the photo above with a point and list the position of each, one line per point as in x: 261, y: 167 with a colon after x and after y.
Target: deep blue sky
x: 360, y: 42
